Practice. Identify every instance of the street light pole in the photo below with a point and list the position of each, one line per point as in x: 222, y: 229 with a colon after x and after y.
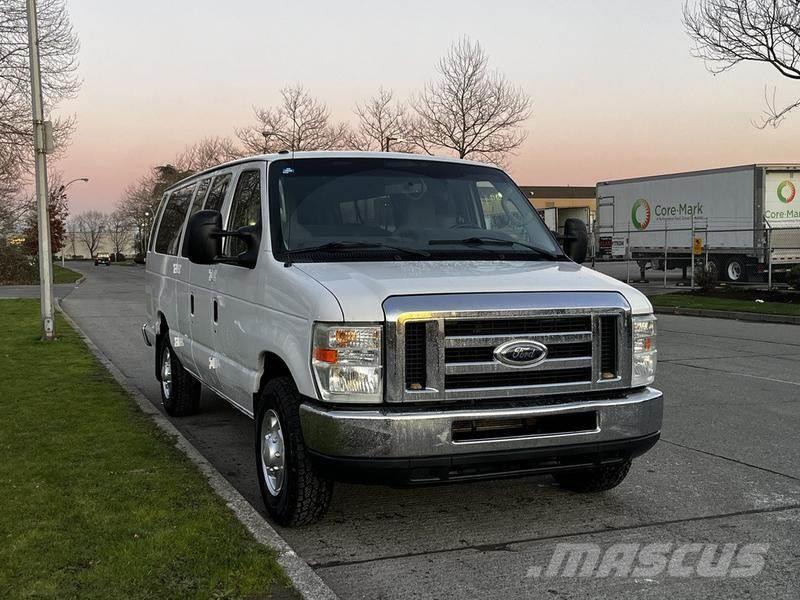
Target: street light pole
x: 390, y: 139
x: 39, y: 144
x: 62, y: 191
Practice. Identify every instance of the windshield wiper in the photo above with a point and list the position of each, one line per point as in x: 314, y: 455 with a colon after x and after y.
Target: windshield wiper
x: 493, y: 241
x: 333, y: 246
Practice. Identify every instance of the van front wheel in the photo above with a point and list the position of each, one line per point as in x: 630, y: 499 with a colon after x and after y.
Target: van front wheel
x: 294, y: 492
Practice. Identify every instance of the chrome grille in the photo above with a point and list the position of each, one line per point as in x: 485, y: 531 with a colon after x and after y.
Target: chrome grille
x: 442, y: 347
x: 518, y: 327
x: 608, y: 346
x: 415, y: 353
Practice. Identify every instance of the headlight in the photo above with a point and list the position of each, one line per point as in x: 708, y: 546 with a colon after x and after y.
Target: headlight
x: 347, y: 361
x: 644, y: 350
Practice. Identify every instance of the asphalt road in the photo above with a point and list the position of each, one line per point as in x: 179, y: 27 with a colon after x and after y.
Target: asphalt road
x: 726, y: 471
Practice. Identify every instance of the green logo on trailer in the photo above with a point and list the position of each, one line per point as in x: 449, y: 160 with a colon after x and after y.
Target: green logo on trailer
x: 786, y: 191
x: 640, y: 214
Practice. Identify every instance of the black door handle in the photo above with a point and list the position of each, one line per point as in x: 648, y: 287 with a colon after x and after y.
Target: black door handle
x: 216, y: 311
x: 191, y: 304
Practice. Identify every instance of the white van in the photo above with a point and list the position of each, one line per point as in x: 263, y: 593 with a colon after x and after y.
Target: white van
x: 395, y: 318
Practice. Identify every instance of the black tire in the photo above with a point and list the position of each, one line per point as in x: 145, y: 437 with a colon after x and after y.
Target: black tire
x: 736, y: 269
x: 598, y: 479
x: 181, y: 396
x: 303, y: 495
x: 714, y: 268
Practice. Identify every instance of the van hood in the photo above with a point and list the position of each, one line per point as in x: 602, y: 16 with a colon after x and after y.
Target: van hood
x: 362, y: 287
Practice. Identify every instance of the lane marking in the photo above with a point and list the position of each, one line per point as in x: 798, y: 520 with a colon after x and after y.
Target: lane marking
x: 733, y: 460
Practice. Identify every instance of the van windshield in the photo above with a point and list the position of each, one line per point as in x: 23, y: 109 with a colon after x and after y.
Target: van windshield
x: 358, y: 209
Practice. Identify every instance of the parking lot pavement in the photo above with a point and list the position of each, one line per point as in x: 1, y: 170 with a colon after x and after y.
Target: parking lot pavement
x: 726, y: 471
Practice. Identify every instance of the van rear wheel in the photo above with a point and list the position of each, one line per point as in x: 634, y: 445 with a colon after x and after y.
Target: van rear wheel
x: 180, y: 392
x: 294, y: 492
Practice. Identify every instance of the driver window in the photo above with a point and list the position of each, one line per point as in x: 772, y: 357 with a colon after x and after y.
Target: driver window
x: 245, y: 209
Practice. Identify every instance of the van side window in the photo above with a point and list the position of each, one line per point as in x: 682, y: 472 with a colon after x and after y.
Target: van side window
x: 153, y: 231
x: 169, y: 233
x: 217, y: 194
x: 197, y: 203
x: 200, y: 195
x: 245, y: 209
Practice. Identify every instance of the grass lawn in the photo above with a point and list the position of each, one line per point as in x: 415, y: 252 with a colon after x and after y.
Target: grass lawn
x: 64, y: 275
x: 783, y: 304
x: 96, y: 502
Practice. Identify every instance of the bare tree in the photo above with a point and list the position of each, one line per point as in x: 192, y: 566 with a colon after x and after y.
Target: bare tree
x: 119, y: 231
x: 140, y: 200
x: 58, y: 48
x: 729, y: 32
x: 91, y: 226
x: 470, y: 110
x: 301, y: 122
x: 208, y: 152
x: 382, y: 120
x: 13, y: 205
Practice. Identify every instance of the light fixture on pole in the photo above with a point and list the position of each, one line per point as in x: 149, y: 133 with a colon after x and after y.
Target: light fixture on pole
x: 63, y: 188
x: 266, y: 134
x: 42, y: 144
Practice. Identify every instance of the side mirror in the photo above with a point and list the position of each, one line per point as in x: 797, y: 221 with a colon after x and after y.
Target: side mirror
x: 576, y: 240
x: 204, y: 235
x: 203, y: 242
x: 251, y: 236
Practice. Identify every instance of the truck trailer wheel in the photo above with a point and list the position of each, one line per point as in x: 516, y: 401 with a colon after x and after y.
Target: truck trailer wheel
x: 293, y: 491
x: 180, y: 392
x: 713, y: 268
x: 598, y: 479
x: 736, y: 269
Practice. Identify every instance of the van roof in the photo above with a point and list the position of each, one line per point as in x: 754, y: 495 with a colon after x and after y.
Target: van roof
x: 327, y: 154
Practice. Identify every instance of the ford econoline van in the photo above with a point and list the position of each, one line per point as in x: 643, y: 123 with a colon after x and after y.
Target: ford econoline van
x: 395, y: 318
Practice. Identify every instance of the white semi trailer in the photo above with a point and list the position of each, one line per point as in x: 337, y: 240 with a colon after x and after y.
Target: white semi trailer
x: 742, y: 219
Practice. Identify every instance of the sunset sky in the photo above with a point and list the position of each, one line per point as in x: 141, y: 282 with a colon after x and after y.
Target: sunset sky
x: 615, y: 90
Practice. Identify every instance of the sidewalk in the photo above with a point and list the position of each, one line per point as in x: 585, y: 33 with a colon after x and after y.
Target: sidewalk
x: 60, y: 290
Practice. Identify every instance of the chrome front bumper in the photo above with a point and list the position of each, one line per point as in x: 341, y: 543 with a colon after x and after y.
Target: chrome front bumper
x: 384, y: 434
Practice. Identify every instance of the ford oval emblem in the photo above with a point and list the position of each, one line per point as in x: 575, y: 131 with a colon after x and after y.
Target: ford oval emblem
x: 520, y: 353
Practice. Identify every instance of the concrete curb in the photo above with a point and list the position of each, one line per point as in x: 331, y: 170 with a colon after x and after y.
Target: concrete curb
x: 727, y: 314
x: 305, y: 580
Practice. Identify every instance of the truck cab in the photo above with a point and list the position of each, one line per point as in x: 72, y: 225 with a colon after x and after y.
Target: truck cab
x: 399, y: 319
